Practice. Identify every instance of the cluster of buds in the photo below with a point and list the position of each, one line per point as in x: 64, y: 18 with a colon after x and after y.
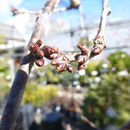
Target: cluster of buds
x: 37, y: 53
x: 51, y: 53
x: 83, y: 57
x: 60, y: 60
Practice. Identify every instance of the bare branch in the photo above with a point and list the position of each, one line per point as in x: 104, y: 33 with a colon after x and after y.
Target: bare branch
x: 63, y: 60
x: 16, y: 11
x: 105, y: 12
x: 74, y: 4
x: 99, y: 43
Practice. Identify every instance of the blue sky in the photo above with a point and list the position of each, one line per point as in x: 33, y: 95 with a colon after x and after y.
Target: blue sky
x: 92, y: 9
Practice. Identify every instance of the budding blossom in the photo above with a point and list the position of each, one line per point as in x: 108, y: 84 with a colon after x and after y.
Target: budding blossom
x: 84, y: 50
x: 62, y: 65
x: 40, y: 62
x: 83, y: 57
x: 37, y: 53
x: 50, y: 52
x: 61, y: 60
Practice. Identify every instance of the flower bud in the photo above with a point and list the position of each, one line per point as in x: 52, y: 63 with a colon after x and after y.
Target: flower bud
x: 61, y: 67
x: 70, y: 68
x: 96, y: 50
x: 56, y: 62
x: 47, y: 51
x: 39, y: 54
x: 39, y: 42
x: 33, y: 47
x: 81, y: 59
x: 39, y: 62
x: 83, y: 48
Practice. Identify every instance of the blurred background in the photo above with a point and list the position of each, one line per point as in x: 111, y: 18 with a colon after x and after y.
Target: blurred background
x: 54, y: 101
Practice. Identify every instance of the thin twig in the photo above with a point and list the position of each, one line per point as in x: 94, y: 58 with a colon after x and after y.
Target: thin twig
x: 16, y: 11
x: 74, y: 4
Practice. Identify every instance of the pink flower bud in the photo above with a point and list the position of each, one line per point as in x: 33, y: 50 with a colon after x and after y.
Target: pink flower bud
x: 47, y: 51
x: 39, y: 54
x: 39, y: 42
x: 39, y: 62
x: 81, y: 59
x: 61, y: 67
x: 53, y: 56
x: 84, y: 50
x: 33, y: 47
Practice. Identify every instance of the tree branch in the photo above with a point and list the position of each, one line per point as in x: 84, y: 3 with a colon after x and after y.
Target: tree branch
x: 14, y: 99
x: 74, y: 4
x: 62, y: 60
x: 16, y: 11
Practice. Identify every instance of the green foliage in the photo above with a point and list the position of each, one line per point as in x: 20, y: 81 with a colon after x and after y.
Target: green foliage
x: 110, y: 92
x: 67, y: 78
x: 4, y: 81
x: 120, y: 60
x: 38, y: 95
